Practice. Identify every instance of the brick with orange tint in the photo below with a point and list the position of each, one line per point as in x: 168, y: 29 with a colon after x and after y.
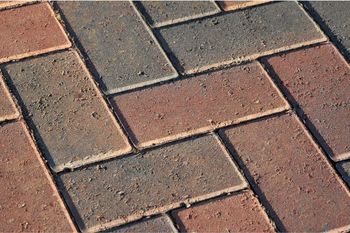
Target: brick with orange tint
x: 7, y: 108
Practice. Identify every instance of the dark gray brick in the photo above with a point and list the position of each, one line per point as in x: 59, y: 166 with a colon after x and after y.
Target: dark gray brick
x: 122, y: 51
x: 241, y: 35
x: 71, y: 120
x: 160, y: 13
x: 126, y: 189
x: 344, y: 169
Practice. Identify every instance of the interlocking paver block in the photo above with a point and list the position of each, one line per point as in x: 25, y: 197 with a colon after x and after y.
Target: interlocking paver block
x: 154, y: 225
x: 234, y: 5
x: 318, y: 79
x: 4, y: 4
x: 28, y: 201
x: 335, y: 16
x: 294, y: 181
x: 69, y: 116
x: 344, y: 169
x: 158, y: 180
x: 29, y: 30
x: 241, y: 35
x: 7, y: 108
x: 160, y: 13
x: 238, y: 213
x: 197, y: 104
x: 121, y: 49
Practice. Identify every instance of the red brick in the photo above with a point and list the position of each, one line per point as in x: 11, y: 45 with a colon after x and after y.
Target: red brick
x: 198, y: 104
x: 295, y: 183
x: 29, y: 30
x: 7, y: 108
x: 28, y: 200
x: 318, y: 79
x: 238, y: 213
x: 234, y: 5
x: 4, y: 4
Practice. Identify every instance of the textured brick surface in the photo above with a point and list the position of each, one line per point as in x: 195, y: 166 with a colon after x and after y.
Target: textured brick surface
x: 27, y: 201
x: 68, y: 115
x: 334, y: 18
x: 126, y: 55
x: 28, y: 31
x: 4, y: 4
x: 319, y: 80
x: 160, y: 13
x: 344, y: 169
x: 158, y: 180
x: 197, y: 104
x: 7, y: 107
x: 237, y: 213
x: 239, y: 35
x: 234, y: 5
x: 290, y: 175
x: 154, y: 225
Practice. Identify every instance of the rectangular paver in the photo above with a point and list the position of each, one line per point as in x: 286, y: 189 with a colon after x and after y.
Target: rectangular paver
x: 155, y: 181
x: 237, y: 213
x: 243, y: 35
x: 344, y: 169
x: 174, y: 110
x: 318, y: 80
x: 70, y: 118
x: 28, y: 200
x: 294, y: 181
x: 161, y: 13
x: 122, y: 51
x: 29, y: 30
x: 8, y: 110
x: 235, y: 5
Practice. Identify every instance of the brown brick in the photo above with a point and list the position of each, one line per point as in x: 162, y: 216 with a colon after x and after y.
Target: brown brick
x: 7, y: 108
x: 29, y: 30
x: 294, y: 181
x: 318, y: 81
x: 197, y: 104
x: 4, y: 4
x: 234, y: 5
x: 72, y: 123
x: 237, y: 213
x: 28, y: 200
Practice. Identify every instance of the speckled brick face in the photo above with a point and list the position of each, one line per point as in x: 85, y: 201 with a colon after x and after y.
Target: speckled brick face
x: 27, y: 201
x: 155, y: 181
x: 197, y: 104
x: 243, y: 34
x: 318, y: 79
x: 291, y: 177
x: 234, y: 5
x: 71, y: 121
x: 121, y: 49
x: 29, y: 30
x: 7, y: 108
x: 344, y: 169
x: 160, y: 13
x: 237, y: 213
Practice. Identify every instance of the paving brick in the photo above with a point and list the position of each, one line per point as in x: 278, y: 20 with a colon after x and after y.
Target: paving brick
x: 28, y: 201
x: 7, y: 108
x: 4, y: 4
x: 334, y: 19
x: 29, y: 30
x: 234, y: 5
x: 344, y: 169
x: 161, y: 13
x: 197, y: 104
x: 154, y: 225
x: 241, y: 35
x: 150, y: 183
x: 294, y: 181
x: 238, y: 213
x: 70, y: 119
x: 126, y: 55
x: 318, y: 80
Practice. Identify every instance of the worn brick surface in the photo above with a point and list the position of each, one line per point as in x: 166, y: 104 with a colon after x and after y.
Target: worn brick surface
x: 27, y: 201
x: 160, y: 13
x: 197, y: 104
x: 29, y: 30
x: 295, y: 183
x: 152, y: 182
x: 319, y: 80
x: 334, y: 19
x: 7, y: 107
x: 239, y: 35
x: 234, y: 5
x: 118, y: 44
x: 344, y: 169
x: 4, y: 4
x: 154, y: 225
x: 238, y: 213
x: 68, y: 115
